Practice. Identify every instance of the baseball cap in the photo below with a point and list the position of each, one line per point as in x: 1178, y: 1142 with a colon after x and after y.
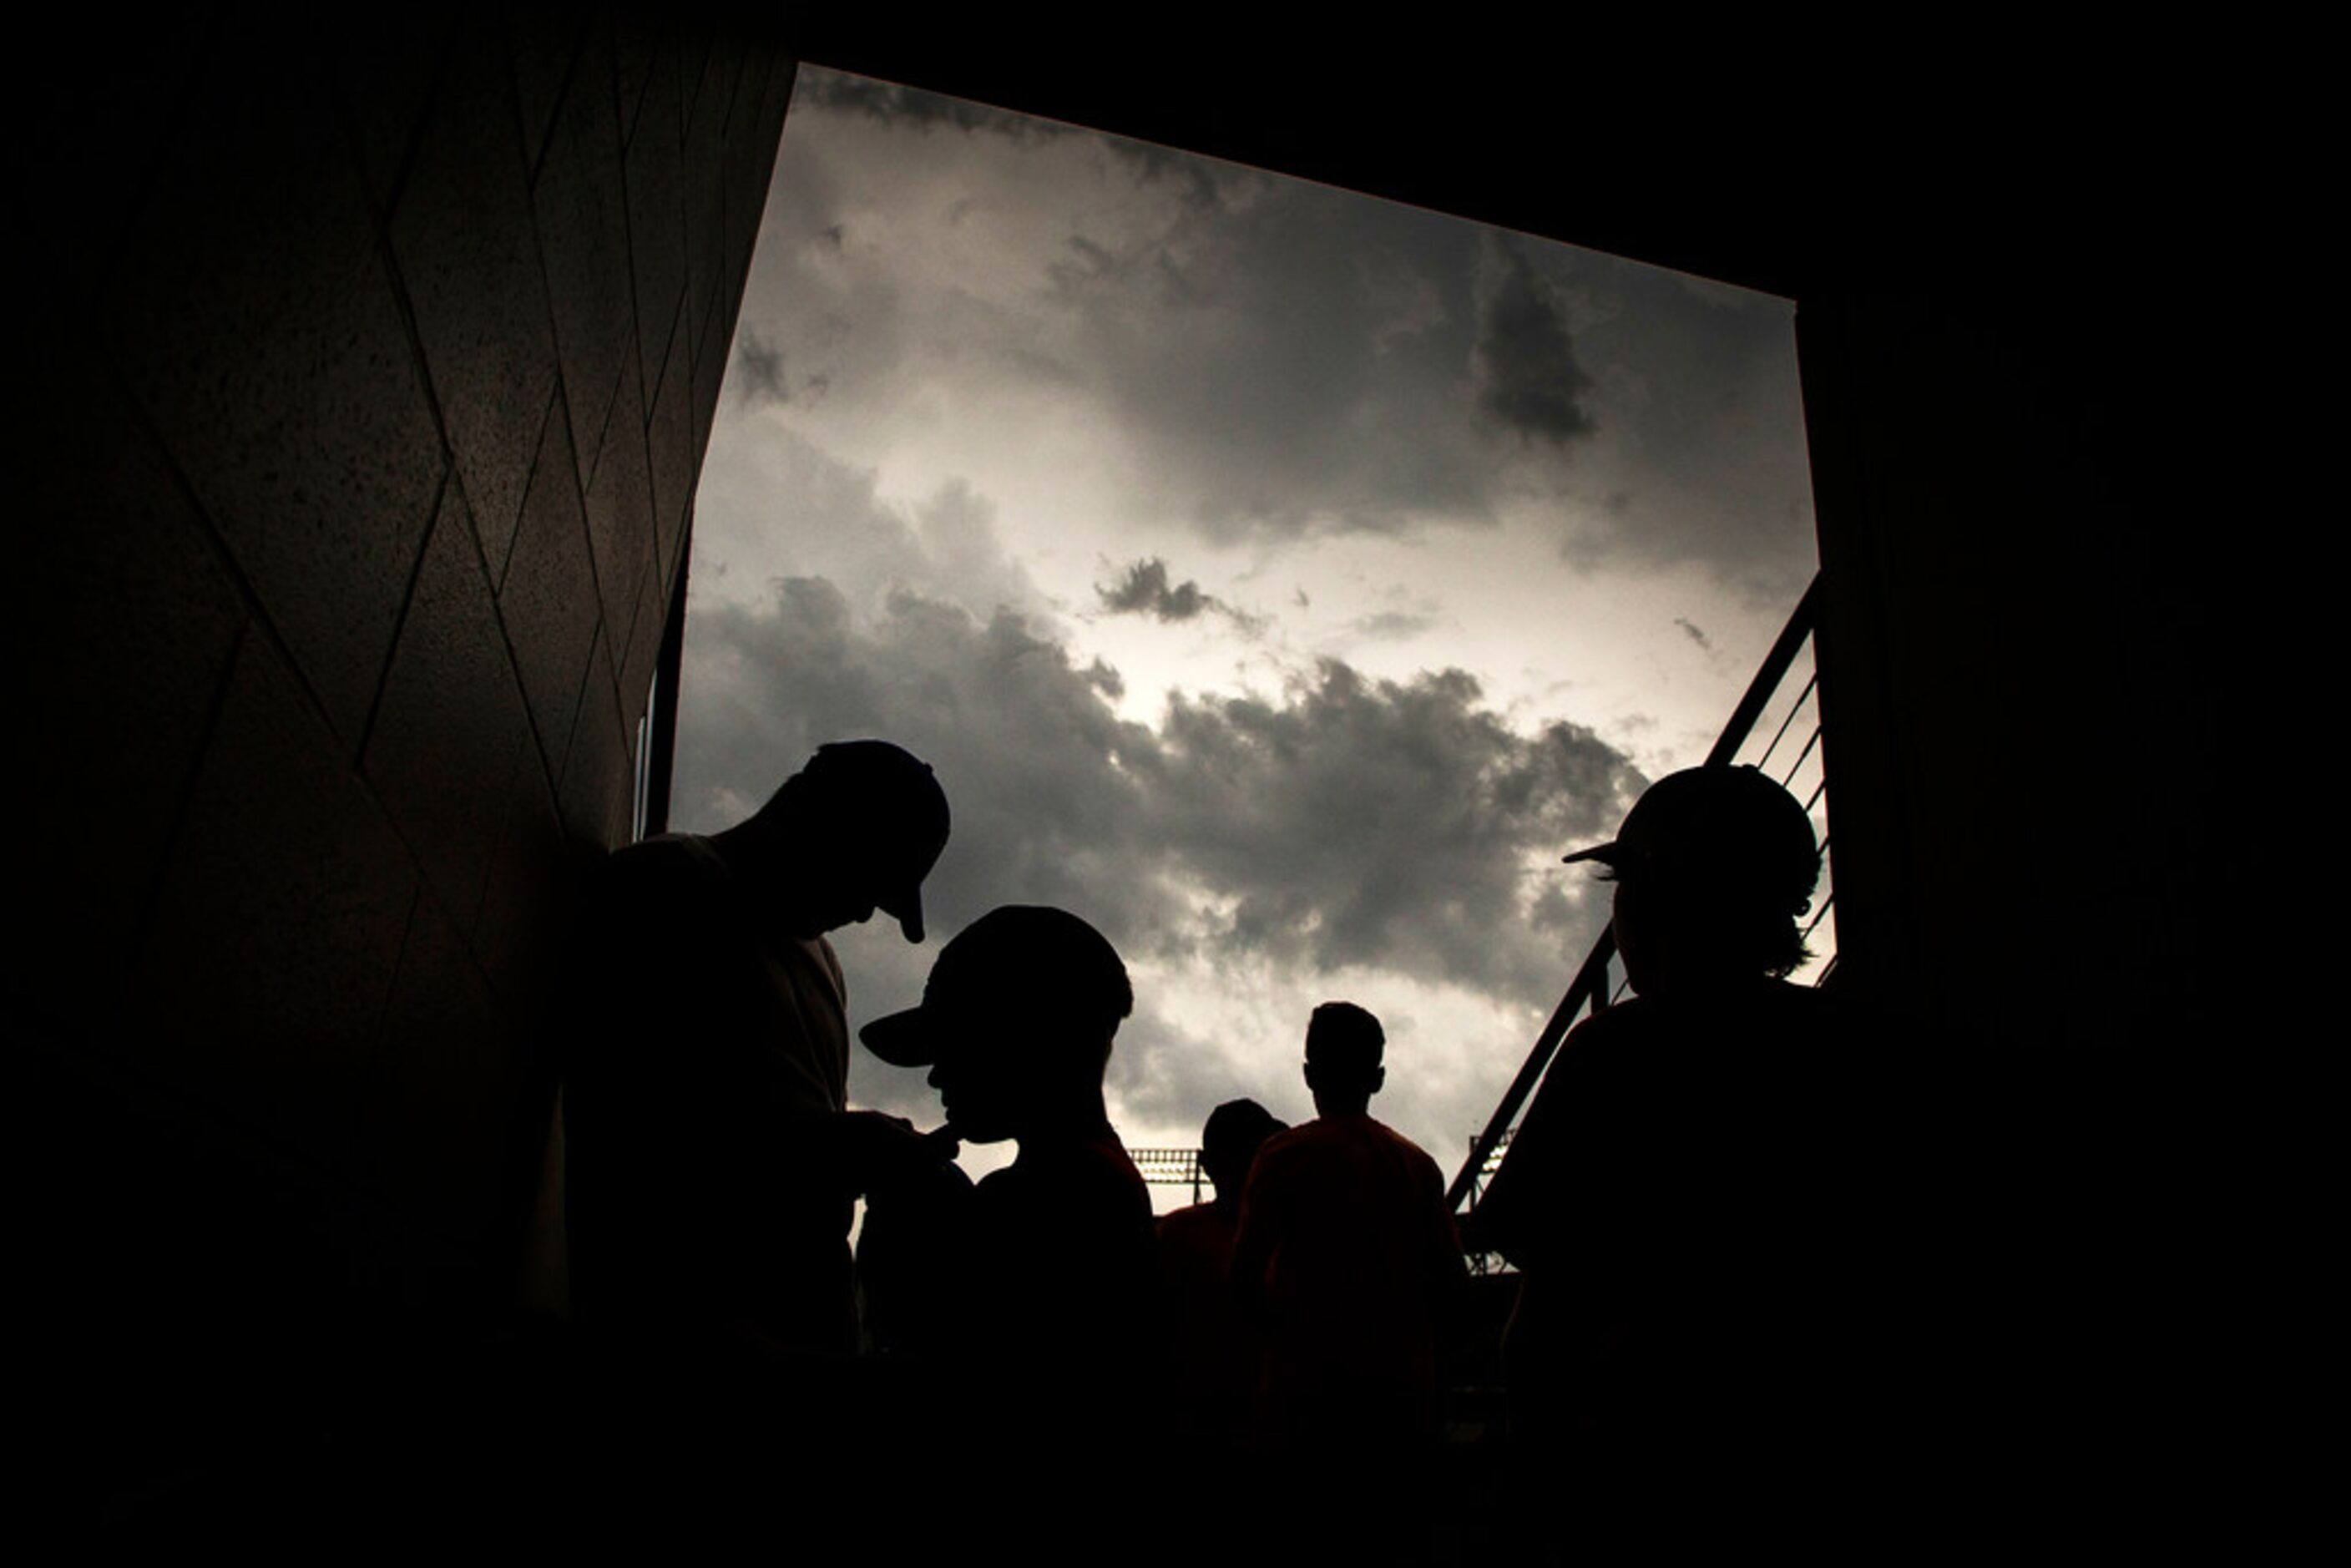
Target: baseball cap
x: 1733, y: 826
x: 1045, y: 964
x: 885, y: 800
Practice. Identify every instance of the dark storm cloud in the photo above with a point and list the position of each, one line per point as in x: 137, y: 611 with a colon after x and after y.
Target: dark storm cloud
x: 1531, y: 384
x: 1147, y: 591
x: 1144, y: 591
x: 1350, y: 821
x: 1380, y: 823
x: 1285, y: 360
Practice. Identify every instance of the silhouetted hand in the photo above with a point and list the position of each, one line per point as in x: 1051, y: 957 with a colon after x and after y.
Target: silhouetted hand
x: 878, y: 1151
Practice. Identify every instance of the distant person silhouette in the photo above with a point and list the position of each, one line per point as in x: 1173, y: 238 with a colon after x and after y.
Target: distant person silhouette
x: 1045, y: 1275
x: 1217, y: 1354
x: 711, y: 1164
x: 1346, y: 1260
x: 1690, y: 1196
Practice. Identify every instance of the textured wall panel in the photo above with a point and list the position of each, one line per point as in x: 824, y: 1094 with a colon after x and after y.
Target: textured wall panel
x: 478, y: 288
x: 358, y: 488
x: 450, y: 706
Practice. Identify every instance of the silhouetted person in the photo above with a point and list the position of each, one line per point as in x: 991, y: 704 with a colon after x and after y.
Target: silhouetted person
x: 1688, y: 1197
x: 1037, y: 1301
x: 1050, y: 1274
x: 1217, y: 1354
x: 1347, y: 1262
x: 711, y: 1164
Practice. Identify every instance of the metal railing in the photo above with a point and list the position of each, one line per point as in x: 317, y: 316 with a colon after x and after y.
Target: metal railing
x: 1170, y: 1167
x: 1593, y: 987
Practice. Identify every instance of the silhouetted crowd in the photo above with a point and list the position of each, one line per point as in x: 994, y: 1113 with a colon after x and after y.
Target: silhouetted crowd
x: 1020, y: 1360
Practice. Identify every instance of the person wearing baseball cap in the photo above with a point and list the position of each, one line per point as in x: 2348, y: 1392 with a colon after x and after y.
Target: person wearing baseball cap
x: 1688, y: 1198
x: 711, y: 1162
x: 1712, y: 866
x: 1050, y: 1265
x: 859, y: 827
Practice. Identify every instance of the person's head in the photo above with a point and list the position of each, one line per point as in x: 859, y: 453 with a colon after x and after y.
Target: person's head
x: 1229, y: 1143
x: 862, y: 824
x: 1343, y: 1047
x: 1015, y: 1023
x: 1712, y: 866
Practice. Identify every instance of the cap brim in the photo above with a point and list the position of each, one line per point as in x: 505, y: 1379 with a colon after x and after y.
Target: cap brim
x: 1605, y: 854
x: 908, y: 909
x: 902, y: 1040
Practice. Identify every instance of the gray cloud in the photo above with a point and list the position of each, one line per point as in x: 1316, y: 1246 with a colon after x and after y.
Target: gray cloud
x: 1269, y: 361
x: 1355, y: 822
x: 1702, y: 443
x: 1348, y: 822
x: 772, y: 504
x: 1144, y: 591
x: 1381, y: 823
x: 1283, y: 360
x: 1530, y: 381
x: 1288, y: 361
x: 1280, y: 359
x: 1147, y: 591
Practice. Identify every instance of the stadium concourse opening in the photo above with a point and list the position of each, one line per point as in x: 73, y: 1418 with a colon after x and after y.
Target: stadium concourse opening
x: 377, y: 377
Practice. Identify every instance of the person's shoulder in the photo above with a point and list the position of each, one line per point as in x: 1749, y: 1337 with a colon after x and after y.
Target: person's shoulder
x: 1180, y: 1219
x: 1402, y: 1141
x: 1614, y: 1033
x: 658, y: 894
x: 677, y: 865
x: 1633, y: 1018
x: 1098, y: 1191
x: 1095, y: 1174
x: 1287, y: 1139
x: 1291, y: 1145
x: 1410, y: 1152
x: 1281, y: 1159
x: 1119, y: 1169
x: 668, y: 854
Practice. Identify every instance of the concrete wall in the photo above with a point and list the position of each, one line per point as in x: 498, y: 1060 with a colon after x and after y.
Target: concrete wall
x: 370, y: 372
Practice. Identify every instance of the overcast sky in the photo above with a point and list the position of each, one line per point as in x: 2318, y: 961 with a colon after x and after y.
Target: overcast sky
x: 1280, y: 578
